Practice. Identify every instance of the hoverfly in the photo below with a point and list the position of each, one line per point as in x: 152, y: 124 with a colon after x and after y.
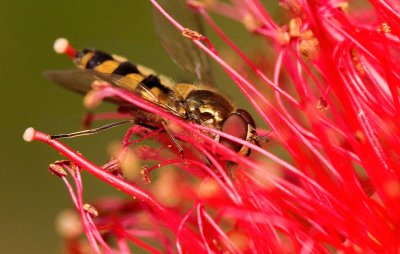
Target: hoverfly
x: 198, y: 103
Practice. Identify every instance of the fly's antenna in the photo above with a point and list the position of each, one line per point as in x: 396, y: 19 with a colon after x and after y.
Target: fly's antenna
x: 62, y: 46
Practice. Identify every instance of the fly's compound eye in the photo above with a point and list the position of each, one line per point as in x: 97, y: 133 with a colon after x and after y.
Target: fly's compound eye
x: 239, y: 124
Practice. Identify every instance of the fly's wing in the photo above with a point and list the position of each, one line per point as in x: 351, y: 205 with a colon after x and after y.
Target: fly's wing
x: 181, y: 49
x: 80, y: 80
x: 76, y: 80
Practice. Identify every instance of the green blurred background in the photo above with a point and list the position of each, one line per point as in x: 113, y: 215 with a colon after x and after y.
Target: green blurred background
x: 32, y: 197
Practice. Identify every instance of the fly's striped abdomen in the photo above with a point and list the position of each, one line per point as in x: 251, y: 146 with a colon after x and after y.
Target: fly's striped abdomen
x: 130, y: 76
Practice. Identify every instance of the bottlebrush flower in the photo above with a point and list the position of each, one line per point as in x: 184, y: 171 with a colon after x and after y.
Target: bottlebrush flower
x: 329, y: 94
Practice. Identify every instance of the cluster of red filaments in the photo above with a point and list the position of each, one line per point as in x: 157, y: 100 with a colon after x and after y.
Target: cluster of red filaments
x: 329, y: 94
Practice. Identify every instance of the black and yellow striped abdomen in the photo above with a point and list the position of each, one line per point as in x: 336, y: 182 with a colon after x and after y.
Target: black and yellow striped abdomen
x: 129, y: 75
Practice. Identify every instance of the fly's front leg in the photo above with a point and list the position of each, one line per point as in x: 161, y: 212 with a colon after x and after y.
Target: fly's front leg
x: 171, y: 136
x: 90, y: 131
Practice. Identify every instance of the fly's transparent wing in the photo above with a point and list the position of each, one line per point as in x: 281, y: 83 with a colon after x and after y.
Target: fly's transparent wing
x: 80, y: 80
x: 181, y: 49
x: 76, y: 80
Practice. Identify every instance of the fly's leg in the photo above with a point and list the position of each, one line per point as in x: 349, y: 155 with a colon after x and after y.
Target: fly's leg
x: 174, y: 140
x: 91, y: 131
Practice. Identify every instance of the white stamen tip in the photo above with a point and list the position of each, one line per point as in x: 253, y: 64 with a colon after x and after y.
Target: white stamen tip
x: 60, y: 45
x: 29, y: 134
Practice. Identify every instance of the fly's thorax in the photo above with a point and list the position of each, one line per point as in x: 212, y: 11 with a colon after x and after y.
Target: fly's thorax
x: 208, y: 108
